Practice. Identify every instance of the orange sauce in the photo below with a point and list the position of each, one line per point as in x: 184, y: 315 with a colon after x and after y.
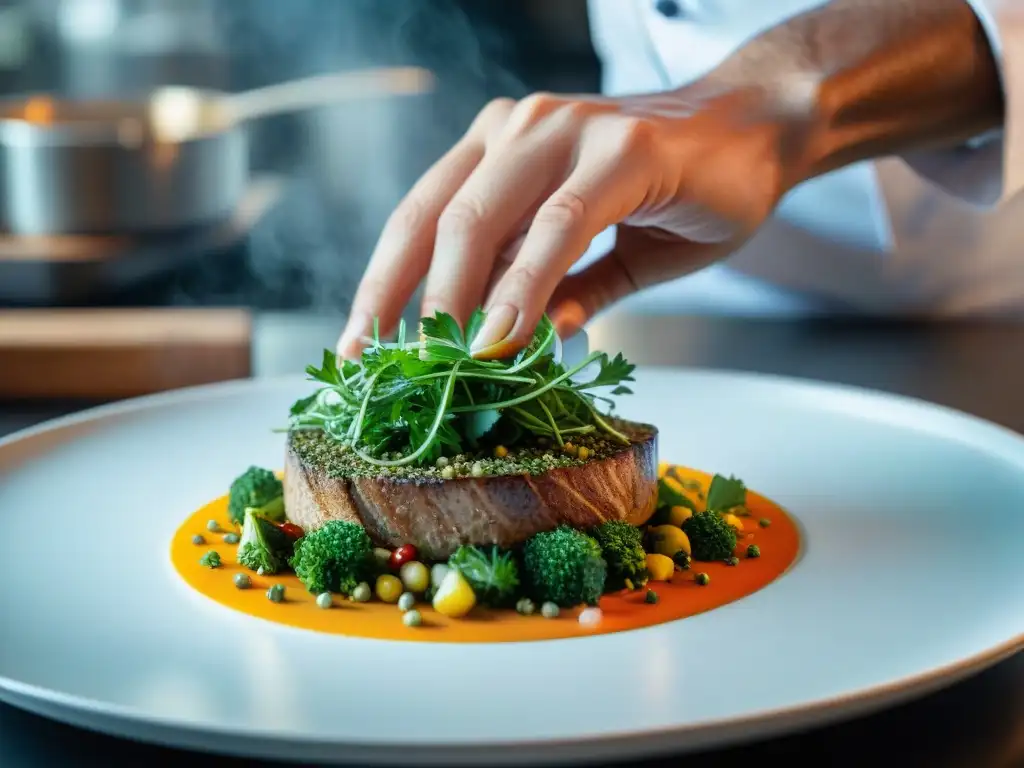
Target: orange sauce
x: 679, y: 598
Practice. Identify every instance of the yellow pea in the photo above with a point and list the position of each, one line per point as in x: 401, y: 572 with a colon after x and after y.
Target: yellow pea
x: 660, y: 567
x: 732, y: 520
x: 679, y: 515
x: 667, y: 540
x: 389, y: 588
x: 415, y: 576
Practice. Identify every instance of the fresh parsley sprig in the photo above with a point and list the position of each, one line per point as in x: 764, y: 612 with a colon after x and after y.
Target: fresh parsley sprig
x: 408, y: 402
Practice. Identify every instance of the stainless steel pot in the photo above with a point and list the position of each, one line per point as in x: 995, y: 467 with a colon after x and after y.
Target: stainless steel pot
x: 176, y: 158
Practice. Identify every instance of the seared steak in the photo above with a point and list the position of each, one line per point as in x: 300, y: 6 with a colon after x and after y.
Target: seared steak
x: 437, y: 515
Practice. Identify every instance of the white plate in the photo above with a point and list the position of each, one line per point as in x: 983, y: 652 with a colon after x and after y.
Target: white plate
x: 911, y: 577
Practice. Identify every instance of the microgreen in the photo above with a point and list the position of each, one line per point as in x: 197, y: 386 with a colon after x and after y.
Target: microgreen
x: 724, y: 493
x: 409, y: 402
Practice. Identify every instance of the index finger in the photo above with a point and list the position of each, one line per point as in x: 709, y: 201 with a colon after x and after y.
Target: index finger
x: 405, y: 247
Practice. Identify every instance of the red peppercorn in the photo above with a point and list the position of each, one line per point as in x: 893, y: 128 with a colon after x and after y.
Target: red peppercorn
x: 404, y: 554
x: 292, y: 530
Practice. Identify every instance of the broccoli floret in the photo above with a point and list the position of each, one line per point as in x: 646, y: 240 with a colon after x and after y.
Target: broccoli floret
x: 335, y: 557
x: 263, y: 544
x: 711, y: 538
x: 493, y: 575
x: 623, y: 550
x: 565, y: 567
x: 257, y: 488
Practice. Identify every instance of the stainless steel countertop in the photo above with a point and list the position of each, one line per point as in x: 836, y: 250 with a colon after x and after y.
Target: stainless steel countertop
x: 978, y: 723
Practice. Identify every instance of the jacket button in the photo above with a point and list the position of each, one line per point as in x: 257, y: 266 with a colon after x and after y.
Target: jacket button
x: 668, y: 8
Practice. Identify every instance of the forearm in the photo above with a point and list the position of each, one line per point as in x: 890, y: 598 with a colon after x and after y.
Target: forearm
x: 869, y: 78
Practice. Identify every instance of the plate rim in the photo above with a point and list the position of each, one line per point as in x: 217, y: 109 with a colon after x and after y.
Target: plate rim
x: 175, y: 732
x: 83, y: 712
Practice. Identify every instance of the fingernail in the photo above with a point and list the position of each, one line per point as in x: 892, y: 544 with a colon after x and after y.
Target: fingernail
x: 351, y: 343
x: 496, y: 328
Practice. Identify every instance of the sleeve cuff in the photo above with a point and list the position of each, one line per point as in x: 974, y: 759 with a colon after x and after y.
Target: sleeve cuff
x: 988, y: 169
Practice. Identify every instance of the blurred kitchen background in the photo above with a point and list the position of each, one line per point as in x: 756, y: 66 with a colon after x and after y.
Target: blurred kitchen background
x: 322, y: 181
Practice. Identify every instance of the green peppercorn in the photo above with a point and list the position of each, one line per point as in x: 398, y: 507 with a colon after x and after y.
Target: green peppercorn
x: 764, y: 522
x: 199, y: 539
x: 242, y: 580
x: 651, y: 597
x: 230, y: 538
x: 361, y: 594
x: 525, y: 606
x: 406, y: 602
x: 703, y: 579
x: 732, y: 560
x: 753, y: 551
x: 276, y: 593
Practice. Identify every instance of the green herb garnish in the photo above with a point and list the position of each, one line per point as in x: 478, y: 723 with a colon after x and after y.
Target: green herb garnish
x: 493, y: 574
x: 669, y: 497
x: 210, y: 560
x: 724, y: 493
x: 410, y: 402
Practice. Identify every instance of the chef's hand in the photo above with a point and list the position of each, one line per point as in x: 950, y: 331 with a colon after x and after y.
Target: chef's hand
x: 502, y: 217
x: 686, y: 175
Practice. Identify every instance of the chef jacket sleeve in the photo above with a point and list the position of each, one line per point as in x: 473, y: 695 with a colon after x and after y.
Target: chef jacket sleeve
x: 990, y: 168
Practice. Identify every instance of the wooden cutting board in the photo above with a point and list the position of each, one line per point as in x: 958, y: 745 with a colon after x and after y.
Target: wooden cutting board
x: 106, y: 354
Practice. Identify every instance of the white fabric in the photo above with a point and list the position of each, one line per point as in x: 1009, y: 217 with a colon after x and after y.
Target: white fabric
x: 938, y: 233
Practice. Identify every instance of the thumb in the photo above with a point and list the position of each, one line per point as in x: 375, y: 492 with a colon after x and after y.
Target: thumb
x: 640, y: 259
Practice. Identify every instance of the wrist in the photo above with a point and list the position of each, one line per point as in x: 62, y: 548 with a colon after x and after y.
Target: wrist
x: 919, y: 75
x: 784, y: 114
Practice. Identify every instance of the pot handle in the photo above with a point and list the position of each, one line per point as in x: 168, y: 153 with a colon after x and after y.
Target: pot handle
x: 321, y: 90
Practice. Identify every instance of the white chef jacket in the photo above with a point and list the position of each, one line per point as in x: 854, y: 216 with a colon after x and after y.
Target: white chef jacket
x: 940, y: 233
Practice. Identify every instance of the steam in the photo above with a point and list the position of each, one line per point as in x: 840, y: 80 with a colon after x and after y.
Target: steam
x: 350, y: 165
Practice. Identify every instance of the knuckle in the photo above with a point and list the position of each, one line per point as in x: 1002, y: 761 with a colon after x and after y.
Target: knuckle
x: 563, y: 210
x: 570, y: 115
x: 499, y: 105
x: 572, y: 109
x: 634, y: 134
x: 495, y: 111
x: 522, y: 279
x: 408, y: 216
x: 535, y: 107
x: 461, y: 216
